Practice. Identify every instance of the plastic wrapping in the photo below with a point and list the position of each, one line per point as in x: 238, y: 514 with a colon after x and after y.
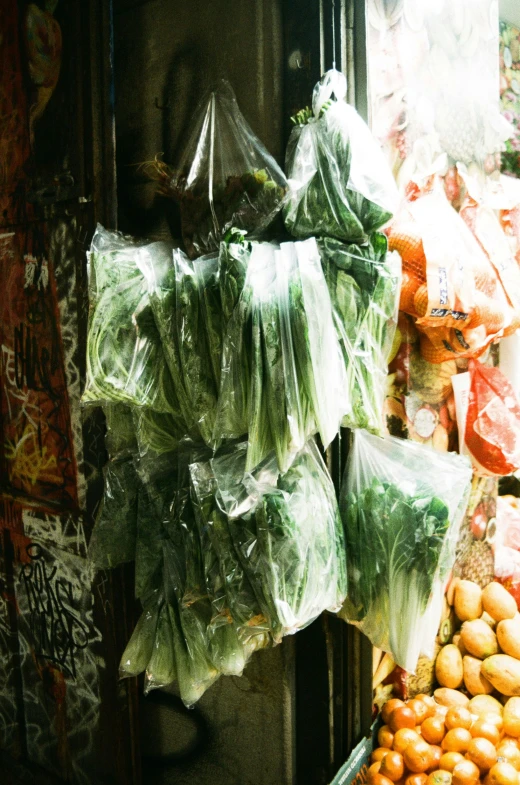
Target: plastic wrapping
x: 140, y: 647
x: 207, y: 272
x: 288, y: 535
x: 282, y: 374
x: 364, y: 285
x: 113, y: 539
x: 492, y: 432
x: 161, y: 669
x: 402, y: 505
x: 340, y: 183
x: 235, y: 606
x: 507, y: 545
x: 226, y: 177
x: 125, y: 361
x: 233, y: 259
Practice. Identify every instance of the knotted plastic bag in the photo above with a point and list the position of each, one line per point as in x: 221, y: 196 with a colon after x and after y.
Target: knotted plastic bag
x: 340, y: 183
x: 225, y: 178
x: 402, y: 505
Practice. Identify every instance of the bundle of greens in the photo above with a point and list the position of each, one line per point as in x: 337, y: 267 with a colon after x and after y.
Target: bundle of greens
x: 140, y: 647
x: 207, y: 274
x: 364, y: 285
x: 340, y: 183
x: 238, y: 627
x: 282, y: 374
x: 233, y: 259
x: 225, y: 178
x: 125, y: 361
x: 113, y: 539
x: 400, y: 540
x: 288, y: 535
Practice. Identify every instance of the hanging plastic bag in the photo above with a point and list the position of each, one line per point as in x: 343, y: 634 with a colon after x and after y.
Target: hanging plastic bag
x: 492, y: 424
x: 506, y: 545
x: 288, y: 535
x: 340, y: 183
x: 140, y: 647
x: 364, y: 285
x: 113, y: 539
x: 207, y: 274
x: 225, y: 177
x: 282, y: 374
x: 402, y: 505
x: 233, y: 259
x: 238, y: 607
x: 125, y: 361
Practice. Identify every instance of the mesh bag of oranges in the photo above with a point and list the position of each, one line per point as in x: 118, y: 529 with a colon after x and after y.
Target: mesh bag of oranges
x: 449, y: 283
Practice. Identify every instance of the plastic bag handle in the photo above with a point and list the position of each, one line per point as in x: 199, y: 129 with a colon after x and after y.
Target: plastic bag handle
x: 332, y: 82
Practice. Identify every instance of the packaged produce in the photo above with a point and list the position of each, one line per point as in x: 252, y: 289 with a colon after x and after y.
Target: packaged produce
x: 507, y: 547
x: 185, y: 318
x: 340, y: 183
x: 114, y: 535
x: 233, y: 259
x: 140, y: 647
x: 225, y: 177
x: 125, y: 361
x: 232, y: 596
x: 492, y: 425
x: 288, y: 535
x: 282, y: 374
x: 364, y: 284
x: 401, y: 532
x: 207, y: 275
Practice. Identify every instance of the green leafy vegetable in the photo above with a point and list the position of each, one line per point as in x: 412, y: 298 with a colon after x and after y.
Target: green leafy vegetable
x: 140, y: 647
x: 161, y: 669
x: 400, y: 540
x: 364, y: 285
x: 233, y: 258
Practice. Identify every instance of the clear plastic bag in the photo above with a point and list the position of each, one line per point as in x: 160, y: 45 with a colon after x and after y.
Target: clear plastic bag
x: 233, y: 259
x: 125, y: 361
x: 364, y: 284
x: 402, y: 505
x: 207, y: 273
x: 225, y: 178
x: 282, y: 374
x: 288, y: 535
x: 161, y: 669
x: 340, y: 183
x: 234, y: 602
x: 140, y: 647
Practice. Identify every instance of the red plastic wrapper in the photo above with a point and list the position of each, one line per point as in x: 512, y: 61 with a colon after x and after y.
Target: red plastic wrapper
x: 492, y: 434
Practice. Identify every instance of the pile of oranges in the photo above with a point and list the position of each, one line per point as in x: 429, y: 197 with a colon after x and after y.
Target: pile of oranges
x: 425, y: 743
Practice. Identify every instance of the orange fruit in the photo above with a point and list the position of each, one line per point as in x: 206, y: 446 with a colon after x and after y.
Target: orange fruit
x: 388, y: 708
x: 493, y: 719
x: 378, y: 754
x: 449, y: 760
x: 433, y: 729
x: 420, y: 709
x: 418, y: 756
x: 482, y: 753
x: 403, y: 738
x: 392, y: 766
x: 429, y: 700
x: 373, y: 769
x: 508, y: 751
x: 440, y: 777
x: 436, y: 754
x: 378, y: 779
x: 385, y: 737
x: 458, y: 717
x: 416, y: 779
x: 502, y: 773
x: 485, y: 730
x: 465, y: 773
x: 457, y: 740
x: 402, y: 717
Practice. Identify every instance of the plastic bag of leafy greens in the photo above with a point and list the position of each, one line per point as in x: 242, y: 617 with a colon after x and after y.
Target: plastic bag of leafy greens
x: 157, y: 432
x: 233, y: 259
x: 288, y: 535
x: 226, y: 650
x: 194, y: 352
x: 125, y: 361
x: 140, y: 647
x: 319, y: 367
x: 207, y: 274
x: 402, y: 505
x: 364, y: 285
x: 113, y: 539
x: 225, y: 177
x: 235, y: 606
x: 340, y: 183
x: 190, y: 609
x: 161, y: 669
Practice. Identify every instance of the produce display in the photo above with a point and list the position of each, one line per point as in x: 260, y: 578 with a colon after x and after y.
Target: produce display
x: 448, y: 739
